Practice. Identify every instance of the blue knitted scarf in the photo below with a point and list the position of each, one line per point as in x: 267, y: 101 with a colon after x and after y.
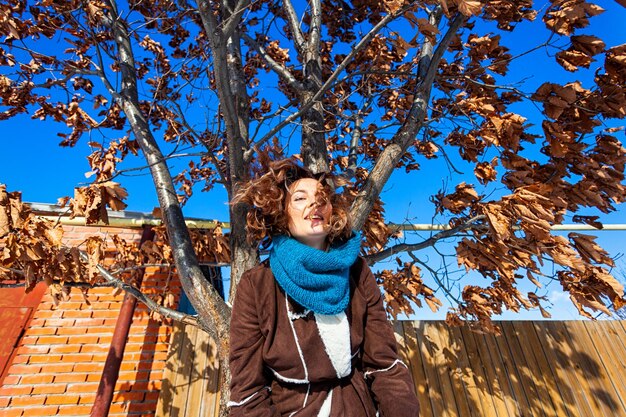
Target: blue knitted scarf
x: 315, y: 279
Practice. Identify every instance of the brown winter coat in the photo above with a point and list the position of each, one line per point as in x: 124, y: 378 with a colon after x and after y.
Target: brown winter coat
x: 275, y: 374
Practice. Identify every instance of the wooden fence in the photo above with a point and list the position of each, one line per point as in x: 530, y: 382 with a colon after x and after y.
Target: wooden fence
x: 547, y: 368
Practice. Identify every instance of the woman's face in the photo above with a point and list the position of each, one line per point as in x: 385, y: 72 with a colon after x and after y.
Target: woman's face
x: 308, y: 221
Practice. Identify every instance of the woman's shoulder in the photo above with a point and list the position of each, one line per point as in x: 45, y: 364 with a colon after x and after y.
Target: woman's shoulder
x: 359, y: 269
x: 259, y: 274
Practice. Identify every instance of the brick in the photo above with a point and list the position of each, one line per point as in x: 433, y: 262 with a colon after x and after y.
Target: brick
x: 57, y: 368
x: 88, y: 367
x: 46, y: 410
x: 14, y: 412
x: 144, y: 365
x: 162, y: 347
x: 160, y: 356
x: 102, y: 305
x: 77, y: 314
x: 20, y: 359
x: 83, y: 388
x: 111, y: 298
x: 15, y: 390
x: 48, y: 314
x: 49, y: 389
x: 142, y: 338
x: 134, y: 376
x: 77, y: 358
x: 128, y: 396
x: 59, y: 322
x: 118, y: 408
x: 70, y: 378
x: 89, y: 322
x: 105, y: 339
x: 64, y: 331
x: 62, y: 399
x: 4, y: 403
x: 64, y: 348
x: 105, y: 314
x: 42, y: 331
x: 25, y: 369
x: 52, y: 340
x: 44, y: 358
x: 11, y: 380
x: 128, y: 366
x: 132, y: 356
x: 93, y: 377
x: 152, y: 396
x: 28, y: 340
x: 36, y: 322
x: 143, y: 407
x: 82, y: 339
x: 73, y: 305
x: 87, y: 398
x: 29, y: 350
x: 27, y: 400
x: 74, y: 410
x: 100, y: 330
x: 134, y: 386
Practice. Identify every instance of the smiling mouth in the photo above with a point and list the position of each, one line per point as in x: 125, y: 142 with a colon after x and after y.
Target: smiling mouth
x: 314, y: 217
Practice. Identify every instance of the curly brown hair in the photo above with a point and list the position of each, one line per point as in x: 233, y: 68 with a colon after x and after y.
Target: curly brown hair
x: 267, y: 199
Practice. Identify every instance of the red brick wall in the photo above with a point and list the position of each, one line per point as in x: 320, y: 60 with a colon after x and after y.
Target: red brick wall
x: 59, y: 360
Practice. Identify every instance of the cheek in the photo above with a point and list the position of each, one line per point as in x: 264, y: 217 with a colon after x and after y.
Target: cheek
x: 292, y: 215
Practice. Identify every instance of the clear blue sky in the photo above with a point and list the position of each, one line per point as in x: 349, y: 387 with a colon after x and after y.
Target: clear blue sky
x: 31, y: 161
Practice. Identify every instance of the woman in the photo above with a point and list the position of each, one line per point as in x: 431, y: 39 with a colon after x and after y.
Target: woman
x: 309, y: 334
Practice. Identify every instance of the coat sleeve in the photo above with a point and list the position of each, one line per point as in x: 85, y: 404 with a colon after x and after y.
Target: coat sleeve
x: 389, y: 378
x: 249, y: 387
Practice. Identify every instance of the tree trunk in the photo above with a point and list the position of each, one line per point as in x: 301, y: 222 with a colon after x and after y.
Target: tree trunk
x: 213, y: 313
x: 313, y: 149
x: 233, y: 96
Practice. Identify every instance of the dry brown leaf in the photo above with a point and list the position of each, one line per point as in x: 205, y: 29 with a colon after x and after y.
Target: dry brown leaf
x: 469, y: 7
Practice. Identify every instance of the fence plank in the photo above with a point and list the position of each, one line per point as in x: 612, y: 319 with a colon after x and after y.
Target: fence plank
x: 172, y: 370
x: 198, y: 380
x: 183, y: 379
x: 466, y: 377
x: 531, y: 345
x: 449, y: 358
x: 417, y: 368
x: 491, y: 395
x: 571, y: 362
x: 605, y: 348
x: 534, y: 375
x: 427, y: 350
x: 602, y: 389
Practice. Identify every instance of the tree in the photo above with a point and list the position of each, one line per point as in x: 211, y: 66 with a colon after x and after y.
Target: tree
x: 362, y: 88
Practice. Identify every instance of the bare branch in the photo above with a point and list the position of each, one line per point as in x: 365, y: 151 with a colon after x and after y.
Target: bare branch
x: 388, y: 159
x: 356, y: 137
x: 235, y: 18
x: 405, y: 247
x: 279, y: 69
x: 209, y: 152
x: 315, y: 30
x: 151, y: 304
x: 437, y: 279
x: 340, y: 68
x: 294, y: 26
